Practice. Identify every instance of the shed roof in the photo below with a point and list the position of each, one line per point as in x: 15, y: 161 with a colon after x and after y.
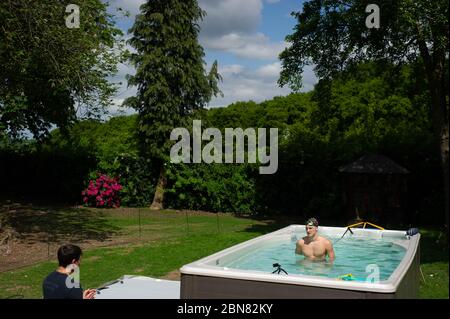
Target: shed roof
x: 374, y: 164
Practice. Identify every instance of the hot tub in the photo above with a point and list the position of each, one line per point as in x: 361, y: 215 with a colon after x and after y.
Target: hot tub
x: 386, y: 264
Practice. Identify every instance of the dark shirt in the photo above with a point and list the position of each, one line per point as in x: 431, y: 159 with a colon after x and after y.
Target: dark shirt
x: 54, y: 287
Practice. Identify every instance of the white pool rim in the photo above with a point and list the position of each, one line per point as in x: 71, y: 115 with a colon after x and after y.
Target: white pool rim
x: 206, y: 266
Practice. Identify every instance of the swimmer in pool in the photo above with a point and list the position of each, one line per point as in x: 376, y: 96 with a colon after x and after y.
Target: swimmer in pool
x: 313, y: 246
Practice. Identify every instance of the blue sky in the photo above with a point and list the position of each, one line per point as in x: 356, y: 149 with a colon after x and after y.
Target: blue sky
x: 245, y: 37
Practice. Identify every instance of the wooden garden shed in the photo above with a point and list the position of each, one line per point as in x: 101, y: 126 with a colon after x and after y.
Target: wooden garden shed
x: 375, y: 190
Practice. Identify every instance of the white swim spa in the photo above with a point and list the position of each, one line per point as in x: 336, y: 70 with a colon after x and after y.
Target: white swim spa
x: 382, y: 264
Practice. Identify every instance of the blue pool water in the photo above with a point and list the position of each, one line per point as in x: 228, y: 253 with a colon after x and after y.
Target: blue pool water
x: 353, y: 255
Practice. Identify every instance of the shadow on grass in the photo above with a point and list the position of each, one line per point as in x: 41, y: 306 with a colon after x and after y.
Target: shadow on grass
x: 267, y: 224
x: 50, y: 224
x: 276, y: 222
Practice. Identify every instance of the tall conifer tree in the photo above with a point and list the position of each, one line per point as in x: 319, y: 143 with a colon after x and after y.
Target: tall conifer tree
x: 170, y: 75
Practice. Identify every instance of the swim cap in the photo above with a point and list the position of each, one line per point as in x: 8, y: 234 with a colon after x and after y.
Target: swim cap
x: 312, y: 222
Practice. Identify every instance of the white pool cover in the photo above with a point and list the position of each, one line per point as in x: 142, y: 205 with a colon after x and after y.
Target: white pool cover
x: 140, y: 287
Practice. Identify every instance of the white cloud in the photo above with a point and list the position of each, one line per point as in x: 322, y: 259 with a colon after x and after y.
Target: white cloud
x: 255, y: 46
x: 228, y: 70
x: 244, y: 84
x: 230, y: 16
x: 231, y: 26
x: 270, y: 71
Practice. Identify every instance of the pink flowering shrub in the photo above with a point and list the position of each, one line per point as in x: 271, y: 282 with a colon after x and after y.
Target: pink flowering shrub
x: 102, y: 192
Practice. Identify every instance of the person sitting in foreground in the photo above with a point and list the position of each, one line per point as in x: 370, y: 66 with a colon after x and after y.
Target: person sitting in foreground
x: 63, y: 283
x: 313, y: 246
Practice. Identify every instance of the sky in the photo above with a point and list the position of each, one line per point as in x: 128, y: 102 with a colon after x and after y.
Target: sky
x: 244, y: 36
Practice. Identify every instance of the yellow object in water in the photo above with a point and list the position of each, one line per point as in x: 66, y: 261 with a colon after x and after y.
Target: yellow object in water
x: 350, y: 277
x: 347, y: 277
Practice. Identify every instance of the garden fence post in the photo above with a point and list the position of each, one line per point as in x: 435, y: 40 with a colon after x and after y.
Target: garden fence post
x: 187, y: 223
x: 48, y: 246
x: 218, y: 225
x: 139, y: 218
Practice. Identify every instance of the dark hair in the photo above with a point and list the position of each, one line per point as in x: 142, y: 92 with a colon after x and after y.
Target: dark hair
x: 67, y: 253
x: 312, y: 221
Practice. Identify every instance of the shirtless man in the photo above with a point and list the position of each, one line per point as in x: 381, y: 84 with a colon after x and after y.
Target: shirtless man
x: 313, y: 246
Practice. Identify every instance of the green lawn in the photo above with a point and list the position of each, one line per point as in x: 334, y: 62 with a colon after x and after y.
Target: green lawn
x: 168, y: 240
x: 434, y: 265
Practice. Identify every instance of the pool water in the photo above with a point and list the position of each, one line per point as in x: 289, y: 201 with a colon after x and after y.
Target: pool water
x: 362, y: 257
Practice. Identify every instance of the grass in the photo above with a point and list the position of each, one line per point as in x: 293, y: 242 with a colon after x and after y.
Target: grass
x: 434, y: 265
x: 103, y: 265
x: 167, y: 240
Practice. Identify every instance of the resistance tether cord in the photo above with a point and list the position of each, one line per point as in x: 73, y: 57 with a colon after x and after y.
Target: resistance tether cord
x: 106, y: 286
x: 348, y: 229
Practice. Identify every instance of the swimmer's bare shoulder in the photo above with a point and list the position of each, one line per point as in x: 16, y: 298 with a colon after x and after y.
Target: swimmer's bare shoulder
x: 299, y: 245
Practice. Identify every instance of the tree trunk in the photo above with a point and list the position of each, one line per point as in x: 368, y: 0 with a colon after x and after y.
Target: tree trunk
x: 443, y: 140
x: 435, y: 71
x: 159, y: 192
x: 439, y: 112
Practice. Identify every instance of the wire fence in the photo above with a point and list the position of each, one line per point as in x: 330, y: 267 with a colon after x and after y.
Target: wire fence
x: 40, y: 231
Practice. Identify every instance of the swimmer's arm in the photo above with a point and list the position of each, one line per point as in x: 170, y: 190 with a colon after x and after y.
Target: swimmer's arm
x: 298, y: 247
x: 330, y: 251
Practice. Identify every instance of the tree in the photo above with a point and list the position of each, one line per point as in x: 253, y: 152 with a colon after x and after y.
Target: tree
x: 333, y: 36
x: 170, y: 75
x: 50, y: 71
